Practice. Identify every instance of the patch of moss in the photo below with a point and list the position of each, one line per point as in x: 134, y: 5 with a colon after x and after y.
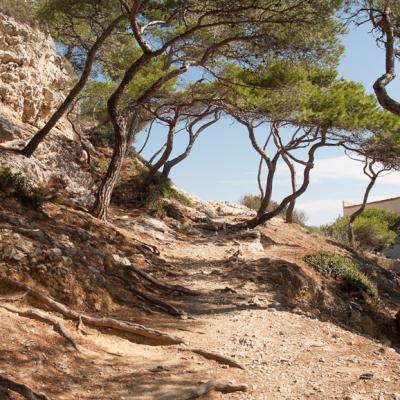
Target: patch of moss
x: 340, y: 267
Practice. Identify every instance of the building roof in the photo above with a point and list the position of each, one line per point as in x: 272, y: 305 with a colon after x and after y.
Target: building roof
x: 350, y: 205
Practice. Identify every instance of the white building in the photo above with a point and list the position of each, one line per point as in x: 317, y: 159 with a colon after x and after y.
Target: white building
x: 392, y: 204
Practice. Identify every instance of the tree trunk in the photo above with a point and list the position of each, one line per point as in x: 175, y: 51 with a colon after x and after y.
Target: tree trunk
x: 121, y: 131
x: 260, y: 165
x: 170, y: 164
x: 266, y: 200
x: 390, y: 74
x: 192, y: 138
x: 260, y: 219
x: 33, y: 144
x: 167, y: 152
x: 350, y: 227
x: 292, y: 204
x: 103, y: 197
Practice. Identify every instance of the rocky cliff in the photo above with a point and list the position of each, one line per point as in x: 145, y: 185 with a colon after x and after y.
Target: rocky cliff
x: 33, y: 81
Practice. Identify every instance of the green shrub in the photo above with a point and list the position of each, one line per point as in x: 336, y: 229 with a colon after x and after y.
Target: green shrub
x: 101, y: 136
x: 374, y: 229
x: 251, y: 201
x: 340, y: 267
x: 15, y: 185
x: 162, y: 188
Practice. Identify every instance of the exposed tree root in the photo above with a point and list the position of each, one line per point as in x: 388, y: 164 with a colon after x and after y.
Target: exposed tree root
x: 43, y: 317
x: 21, y: 389
x: 163, y: 286
x: 218, y: 357
x: 13, y: 297
x: 153, y: 249
x: 105, y: 322
x: 203, y: 389
x: 169, y: 308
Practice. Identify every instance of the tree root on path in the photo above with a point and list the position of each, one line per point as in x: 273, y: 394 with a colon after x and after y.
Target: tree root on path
x: 153, y: 249
x: 21, y: 389
x: 14, y: 297
x: 164, y: 286
x: 204, y: 388
x: 104, y: 322
x: 217, y: 357
x: 169, y: 308
x: 43, y: 317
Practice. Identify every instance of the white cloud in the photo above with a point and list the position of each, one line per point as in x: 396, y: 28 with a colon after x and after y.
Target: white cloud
x: 344, y: 168
x: 321, y: 211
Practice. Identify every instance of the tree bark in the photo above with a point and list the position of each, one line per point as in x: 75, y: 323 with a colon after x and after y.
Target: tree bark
x: 33, y: 144
x: 260, y: 219
x: 103, y: 198
x: 121, y: 130
x: 292, y: 204
x: 266, y: 200
x: 350, y: 228
x: 192, y: 138
x: 381, y: 83
x: 166, y: 153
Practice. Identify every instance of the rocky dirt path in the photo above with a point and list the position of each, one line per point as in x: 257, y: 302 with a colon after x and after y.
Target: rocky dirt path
x: 286, y: 353
x: 244, y: 313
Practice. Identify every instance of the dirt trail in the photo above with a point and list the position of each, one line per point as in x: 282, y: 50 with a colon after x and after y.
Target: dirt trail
x: 287, y: 355
x: 245, y: 313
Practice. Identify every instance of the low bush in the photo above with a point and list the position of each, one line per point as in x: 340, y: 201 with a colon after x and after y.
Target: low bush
x: 162, y: 188
x: 374, y: 230
x: 251, y: 201
x: 340, y: 267
x: 101, y: 136
x: 15, y: 185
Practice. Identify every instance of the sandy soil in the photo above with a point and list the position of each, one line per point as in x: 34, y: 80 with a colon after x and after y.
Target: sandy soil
x: 287, y: 352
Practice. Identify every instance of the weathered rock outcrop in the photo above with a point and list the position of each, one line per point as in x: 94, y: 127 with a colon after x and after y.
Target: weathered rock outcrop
x: 33, y: 82
x: 32, y: 77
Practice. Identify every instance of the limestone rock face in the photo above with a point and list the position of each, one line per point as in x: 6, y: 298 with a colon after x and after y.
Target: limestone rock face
x: 33, y: 82
x: 32, y: 77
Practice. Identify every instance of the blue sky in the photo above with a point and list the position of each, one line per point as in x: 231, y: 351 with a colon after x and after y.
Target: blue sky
x: 223, y: 165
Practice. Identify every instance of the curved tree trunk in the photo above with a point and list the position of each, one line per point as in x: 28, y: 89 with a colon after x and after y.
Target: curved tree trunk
x: 33, y: 144
x: 266, y: 200
x: 170, y: 164
x: 103, y: 198
x: 292, y: 204
x: 260, y: 165
x: 155, y: 155
x: 390, y: 74
x: 121, y: 131
x: 350, y: 228
x: 260, y: 219
x: 192, y: 138
x: 167, y: 152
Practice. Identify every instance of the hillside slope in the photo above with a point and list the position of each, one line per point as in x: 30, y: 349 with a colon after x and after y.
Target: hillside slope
x: 295, y: 333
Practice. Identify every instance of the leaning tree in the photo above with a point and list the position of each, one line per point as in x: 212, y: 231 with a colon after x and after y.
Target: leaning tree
x: 384, y: 17
x: 207, y: 35
x: 192, y: 111
x: 83, y: 27
x: 379, y: 155
x: 318, y: 111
